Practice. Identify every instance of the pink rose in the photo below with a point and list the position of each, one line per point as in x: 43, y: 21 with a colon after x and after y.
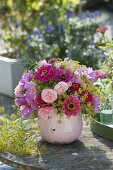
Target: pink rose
x: 49, y: 95
x: 102, y: 29
x: 47, y: 112
x: 61, y: 87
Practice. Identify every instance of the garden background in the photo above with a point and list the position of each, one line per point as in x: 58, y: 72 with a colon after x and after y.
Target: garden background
x: 33, y: 30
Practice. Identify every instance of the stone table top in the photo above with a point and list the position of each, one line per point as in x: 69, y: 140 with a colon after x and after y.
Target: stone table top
x: 89, y: 152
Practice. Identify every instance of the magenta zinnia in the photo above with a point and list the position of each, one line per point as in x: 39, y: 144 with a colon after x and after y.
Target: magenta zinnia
x: 71, y: 106
x: 87, y: 97
x: 64, y: 75
x: 44, y: 73
x: 75, y: 86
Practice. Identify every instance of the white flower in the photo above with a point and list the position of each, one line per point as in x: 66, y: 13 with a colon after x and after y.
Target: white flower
x: 42, y: 63
x: 61, y: 87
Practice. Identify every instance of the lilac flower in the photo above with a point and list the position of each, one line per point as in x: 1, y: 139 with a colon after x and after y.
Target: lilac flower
x: 30, y: 93
x: 26, y: 94
x: 28, y: 108
x: 76, y: 79
x: 19, y: 90
x: 26, y: 111
x: 21, y: 101
x: 101, y: 74
x: 28, y: 97
x: 64, y: 75
x: 89, y: 73
x: 96, y: 103
x: 26, y: 77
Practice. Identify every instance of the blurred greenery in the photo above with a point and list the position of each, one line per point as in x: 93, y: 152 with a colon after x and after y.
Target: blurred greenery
x: 20, y: 17
x: 70, y: 37
x: 49, y: 29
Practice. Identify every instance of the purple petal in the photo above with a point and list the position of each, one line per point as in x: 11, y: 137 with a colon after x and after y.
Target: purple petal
x: 20, y: 101
x: 26, y: 111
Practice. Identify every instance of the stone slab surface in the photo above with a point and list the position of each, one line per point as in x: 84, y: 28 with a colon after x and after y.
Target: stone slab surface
x: 89, y: 152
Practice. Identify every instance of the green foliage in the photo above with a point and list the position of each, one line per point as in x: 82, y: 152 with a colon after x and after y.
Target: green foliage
x: 20, y: 17
x: 18, y: 135
x: 107, y: 45
x: 106, y: 85
x: 62, y: 34
x: 65, y: 38
x: 28, y: 59
x: 2, y: 109
x: 28, y: 12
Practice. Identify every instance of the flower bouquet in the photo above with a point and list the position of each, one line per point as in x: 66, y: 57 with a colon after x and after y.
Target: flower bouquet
x: 58, y: 93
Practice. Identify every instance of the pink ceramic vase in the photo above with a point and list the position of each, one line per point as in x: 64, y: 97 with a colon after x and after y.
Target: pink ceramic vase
x: 64, y: 132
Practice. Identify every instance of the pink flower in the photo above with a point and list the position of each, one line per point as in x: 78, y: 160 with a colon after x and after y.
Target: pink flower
x: 87, y: 97
x: 64, y: 75
x: 61, y: 87
x: 47, y: 112
x: 71, y: 106
x: 76, y: 78
x: 101, y: 74
x: 38, y: 101
x: 102, y: 29
x: 75, y: 86
x: 45, y: 73
x: 49, y: 95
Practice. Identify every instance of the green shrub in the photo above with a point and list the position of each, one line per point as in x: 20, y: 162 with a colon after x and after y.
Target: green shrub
x: 68, y: 36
